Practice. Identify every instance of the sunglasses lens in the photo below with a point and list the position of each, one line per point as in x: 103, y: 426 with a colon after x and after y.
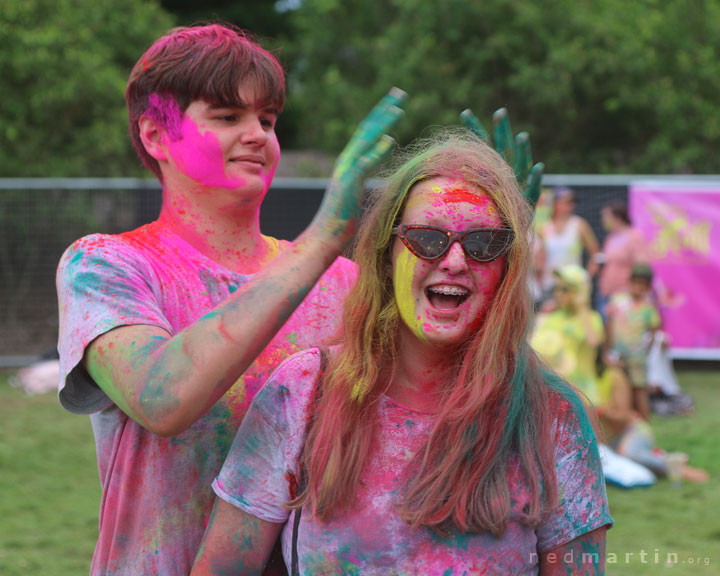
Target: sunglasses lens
x: 487, y: 245
x: 426, y: 242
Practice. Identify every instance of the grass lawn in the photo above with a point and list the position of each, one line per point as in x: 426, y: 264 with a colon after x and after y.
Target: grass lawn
x: 680, y: 525
x: 49, y: 492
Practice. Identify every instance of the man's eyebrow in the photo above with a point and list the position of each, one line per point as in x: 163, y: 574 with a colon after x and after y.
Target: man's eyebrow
x: 241, y: 106
x: 226, y: 105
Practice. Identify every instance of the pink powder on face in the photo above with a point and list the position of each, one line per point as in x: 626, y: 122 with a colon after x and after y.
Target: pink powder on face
x: 456, y: 194
x: 200, y: 157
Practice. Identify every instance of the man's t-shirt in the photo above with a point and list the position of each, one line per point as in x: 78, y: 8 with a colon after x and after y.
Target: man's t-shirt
x: 371, y: 538
x: 156, y: 491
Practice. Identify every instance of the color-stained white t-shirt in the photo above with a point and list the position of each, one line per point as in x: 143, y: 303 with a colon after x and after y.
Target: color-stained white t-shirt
x: 156, y: 491
x: 371, y: 538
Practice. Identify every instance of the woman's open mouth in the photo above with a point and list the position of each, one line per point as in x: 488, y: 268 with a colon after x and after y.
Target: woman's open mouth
x: 445, y: 297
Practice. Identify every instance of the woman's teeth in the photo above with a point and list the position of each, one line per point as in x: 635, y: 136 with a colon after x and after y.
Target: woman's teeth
x: 446, y: 297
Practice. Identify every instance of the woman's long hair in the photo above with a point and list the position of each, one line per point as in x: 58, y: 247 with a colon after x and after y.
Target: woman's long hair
x: 499, y: 405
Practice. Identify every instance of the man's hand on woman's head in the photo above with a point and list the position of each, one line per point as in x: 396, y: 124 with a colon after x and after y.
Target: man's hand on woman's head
x: 515, y: 150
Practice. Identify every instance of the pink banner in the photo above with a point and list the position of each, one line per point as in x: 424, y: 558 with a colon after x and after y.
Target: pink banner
x: 681, y: 224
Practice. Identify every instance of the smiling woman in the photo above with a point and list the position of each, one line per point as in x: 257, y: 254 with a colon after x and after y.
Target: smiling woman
x: 434, y: 441
x: 435, y: 266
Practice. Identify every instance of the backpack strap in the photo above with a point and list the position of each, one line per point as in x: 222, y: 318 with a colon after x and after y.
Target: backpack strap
x: 317, y: 394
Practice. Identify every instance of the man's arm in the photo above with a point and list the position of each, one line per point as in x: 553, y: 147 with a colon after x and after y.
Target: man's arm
x: 167, y: 382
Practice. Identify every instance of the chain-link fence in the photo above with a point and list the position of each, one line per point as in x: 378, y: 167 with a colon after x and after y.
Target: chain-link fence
x: 39, y: 218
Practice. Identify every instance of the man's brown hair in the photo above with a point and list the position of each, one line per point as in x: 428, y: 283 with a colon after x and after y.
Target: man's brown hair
x: 208, y: 63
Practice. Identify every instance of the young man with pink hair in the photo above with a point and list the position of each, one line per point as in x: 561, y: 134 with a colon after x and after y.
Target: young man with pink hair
x: 168, y: 331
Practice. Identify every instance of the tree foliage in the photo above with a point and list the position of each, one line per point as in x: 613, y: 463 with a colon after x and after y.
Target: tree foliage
x: 602, y: 85
x: 257, y: 16
x: 63, y: 69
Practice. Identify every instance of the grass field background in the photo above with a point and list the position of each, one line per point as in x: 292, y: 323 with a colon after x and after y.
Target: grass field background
x: 49, y: 492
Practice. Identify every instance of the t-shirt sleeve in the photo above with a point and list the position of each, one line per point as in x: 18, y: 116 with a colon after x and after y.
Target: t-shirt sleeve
x: 582, y: 499
x: 263, y: 462
x: 102, y: 283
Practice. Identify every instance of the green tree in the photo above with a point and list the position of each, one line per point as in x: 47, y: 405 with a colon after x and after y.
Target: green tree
x: 257, y: 16
x: 602, y: 85
x: 63, y: 69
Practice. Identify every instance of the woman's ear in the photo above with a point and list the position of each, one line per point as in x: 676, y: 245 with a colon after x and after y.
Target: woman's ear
x: 389, y: 272
x: 388, y: 268
x: 152, y: 137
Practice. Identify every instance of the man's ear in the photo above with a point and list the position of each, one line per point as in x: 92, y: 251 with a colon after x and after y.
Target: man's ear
x: 152, y: 137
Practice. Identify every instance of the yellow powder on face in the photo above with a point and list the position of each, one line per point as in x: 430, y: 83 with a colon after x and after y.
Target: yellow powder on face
x: 404, y: 272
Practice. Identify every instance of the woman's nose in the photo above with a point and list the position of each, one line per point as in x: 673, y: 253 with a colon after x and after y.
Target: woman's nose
x: 454, y: 259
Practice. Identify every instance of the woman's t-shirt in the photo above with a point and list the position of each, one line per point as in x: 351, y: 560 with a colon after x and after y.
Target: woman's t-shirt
x: 371, y: 538
x: 562, y: 248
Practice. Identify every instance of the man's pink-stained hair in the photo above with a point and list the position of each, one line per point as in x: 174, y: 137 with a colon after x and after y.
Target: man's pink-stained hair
x: 208, y: 62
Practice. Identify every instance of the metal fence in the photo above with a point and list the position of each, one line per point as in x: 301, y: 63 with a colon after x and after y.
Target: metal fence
x: 39, y: 218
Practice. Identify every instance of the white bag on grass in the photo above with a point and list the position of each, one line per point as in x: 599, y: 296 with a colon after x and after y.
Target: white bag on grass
x: 660, y: 370
x: 622, y: 471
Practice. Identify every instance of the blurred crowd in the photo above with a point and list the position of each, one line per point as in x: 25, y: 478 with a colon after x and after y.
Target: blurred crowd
x: 612, y: 347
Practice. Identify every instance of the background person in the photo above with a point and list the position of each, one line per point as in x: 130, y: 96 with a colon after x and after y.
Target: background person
x: 168, y: 331
x: 632, y: 321
x: 622, y: 249
x: 629, y: 434
x: 569, y: 337
x: 435, y: 442
x: 564, y: 236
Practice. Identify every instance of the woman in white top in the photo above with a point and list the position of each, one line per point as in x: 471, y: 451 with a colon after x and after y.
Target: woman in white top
x: 563, y: 238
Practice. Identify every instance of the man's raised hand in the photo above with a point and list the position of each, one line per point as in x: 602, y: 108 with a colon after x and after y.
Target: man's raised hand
x: 515, y: 150
x: 369, y: 145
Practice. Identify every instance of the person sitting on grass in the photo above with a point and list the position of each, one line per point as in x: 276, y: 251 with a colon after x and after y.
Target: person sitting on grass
x: 432, y: 440
x: 167, y: 332
x: 629, y: 434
